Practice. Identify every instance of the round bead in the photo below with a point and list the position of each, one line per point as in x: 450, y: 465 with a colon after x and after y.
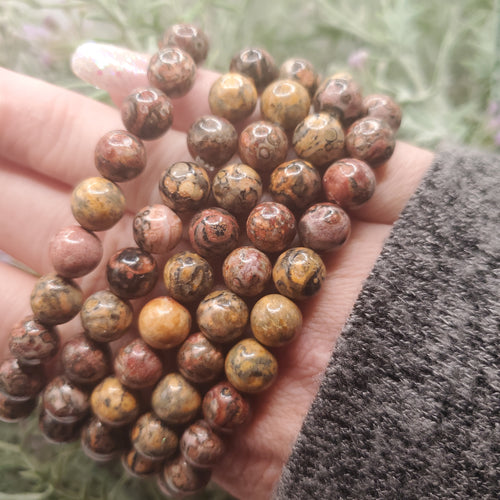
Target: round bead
x: 12, y: 410
x: 164, y: 323
x: 383, y: 107
x: 285, y: 102
x: 184, y: 186
x: 250, y: 367
x: 100, y: 442
x: 131, y: 273
x: 200, y: 446
x: 271, y: 227
x: 75, y: 252
x: 55, y: 300
x: 189, y: 38
x: 188, y: 276
x: 263, y: 145
x: 120, y: 156
x: 56, y: 431
x: 152, y: 439
x: 324, y: 227
x: 21, y: 383
x: 139, y: 466
x: 232, y: 96
x: 301, y: 71
x: 175, y: 400
x: 299, y: 273
x: 147, y: 113
x: 222, y: 316
x: 237, y: 188
x: 257, y: 64
x: 179, y: 479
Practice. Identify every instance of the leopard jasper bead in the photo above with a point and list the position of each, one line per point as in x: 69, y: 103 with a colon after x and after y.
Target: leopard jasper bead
x: 257, y: 64
x: 200, y: 445
x: 189, y: 38
x: 152, y: 438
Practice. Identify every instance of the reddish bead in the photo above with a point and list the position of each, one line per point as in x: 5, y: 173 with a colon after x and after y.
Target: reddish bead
x: 12, y: 410
x: 152, y: 438
x: 56, y: 431
x: 189, y: 38
x: 301, y: 71
x: 20, y: 383
x: 200, y: 445
x: 100, y: 442
x: 179, y: 479
x: 257, y: 64
x: 383, y: 107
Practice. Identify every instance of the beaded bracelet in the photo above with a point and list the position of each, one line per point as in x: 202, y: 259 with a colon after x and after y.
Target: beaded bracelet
x: 135, y: 405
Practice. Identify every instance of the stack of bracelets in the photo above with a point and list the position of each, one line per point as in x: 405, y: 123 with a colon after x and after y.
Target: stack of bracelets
x: 172, y: 422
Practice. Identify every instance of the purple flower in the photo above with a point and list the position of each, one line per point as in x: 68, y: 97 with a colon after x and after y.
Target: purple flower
x: 358, y: 58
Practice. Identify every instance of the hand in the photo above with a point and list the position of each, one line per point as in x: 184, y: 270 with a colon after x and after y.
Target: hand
x: 47, y: 140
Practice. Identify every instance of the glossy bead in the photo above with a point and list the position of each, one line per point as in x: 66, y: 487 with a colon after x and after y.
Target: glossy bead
x: 184, y: 186
x: 250, y: 367
x: 237, y: 188
x: 97, y: 204
x: 188, y: 276
x: 56, y: 431
x: 178, y: 478
x: 100, y: 442
x: 295, y: 184
x: 139, y: 466
x: 120, y: 156
x: 246, y: 271
x: 131, y: 273
x: 257, y: 64
x: 21, y: 383
x: 222, y: 316
x: 301, y: 71
x: 164, y: 323
x: 55, y: 300
x: 147, y: 113
x: 175, y: 400
x: 12, y: 410
x: 299, y: 273
x: 75, y: 252
x: 263, y: 145
x: 157, y: 229
x: 324, y: 227
x: 285, y: 102
x: 383, y: 107
x: 271, y: 226
x: 152, y: 438
x: 232, y: 96
x: 105, y: 317
x: 189, y: 38
x: 200, y: 445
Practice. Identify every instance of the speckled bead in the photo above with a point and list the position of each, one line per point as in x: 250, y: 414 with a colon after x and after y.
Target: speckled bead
x: 232, y: 96
x: 152, y: 438
x: 179, y: 479
x: 222, y: 316
x: 21, y: 383
x: 371, y: 140
x: 188, y: 277
x: 105, y: 317
x: 285, y: 102
x: 147, y: 113
x: 55, y: 300
x: 295, y: 184
x: 100, y: 442
x: 184, y: 186
x: 324, y: 227
x: 120, y: 156
x: 137, y: 465
x: 301, y: 71
x: 175, y: 400
x: 246, y: 271
x: 12, y: 410
x: 383, y: 107
x: 131, y: 273
x: 56, y: 431
x: 164, y: 323
x: 250, y: 367
x: 257, y: 64
x: 263, y: 145
x: 271, y: 226
x: 299, y: 273
x: 75, y: 252
x: 189, y: 38
x: 200, y: 445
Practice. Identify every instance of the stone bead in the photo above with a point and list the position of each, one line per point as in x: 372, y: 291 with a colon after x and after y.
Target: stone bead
x: 383, y: 107
x: 152, y: 438
x: 131, y: 273
x: 285, y: 102
x: 139, y: 466
x: 147, y: 113
x: 184, y: 186
x: 213, y: 232
x: 301, y: 71
x: 113, y: 404
x: 257, y: 64
x: 319, y: 139
x: 56, y: 431
x: 12, y: 410
x: 75, y: 252
x: 237, y: 188
x: 175, y: 400
x: 189, y: 38
x: 222, y: 316
x: 295, y: 184
x: 188, y: 276
x: 164, y: 323
x: 371, y: 140
x: 232, y: 96
x: 97, y: 204
x: 299, y: 273
x: 179, y: 479
x: 200, y: 446
x: 224, y: 408
x: 349, y: 183
x: 55, y: 300
x: 250, y: 367
x: 263, y: 145
x: 105, y: 317
x: 100, y: 442
x: 199, y: 360
x: 21, y: 383
x: 120, y: 156
x: 137, y: 366
x: 271, y: 226
x: 31, y: 342
x: 324, y: 227
x: 246, y: 271
x: 157, y: 229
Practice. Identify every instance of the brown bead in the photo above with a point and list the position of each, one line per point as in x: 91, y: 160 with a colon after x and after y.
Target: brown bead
x: 100, y: 442
x: 139, y: 466
x: 179, y: 479
x: 152, y: 438
x: 257, y: 64
x: 301, y: 71
x: 200, y: 445
x: 189, y: 38
x: 56, y: 431
x: 21, y: 383
x: 12, y: 410
x: 383, y: 107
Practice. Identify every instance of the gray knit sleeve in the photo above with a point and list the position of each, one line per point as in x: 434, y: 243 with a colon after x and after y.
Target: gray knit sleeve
x: 409, y: 407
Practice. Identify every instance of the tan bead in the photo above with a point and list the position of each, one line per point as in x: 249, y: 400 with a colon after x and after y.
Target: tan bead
x: 152, y: 438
